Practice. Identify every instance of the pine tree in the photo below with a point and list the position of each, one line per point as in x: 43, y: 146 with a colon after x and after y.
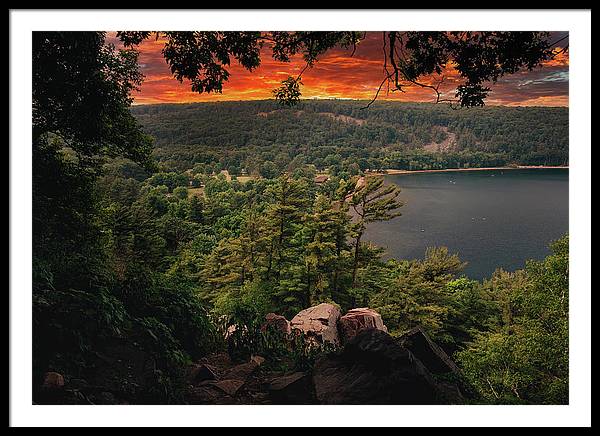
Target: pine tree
x: 371, y: 201
x: 320, y: 255
x: 283, y: 221
x: 253, y: 243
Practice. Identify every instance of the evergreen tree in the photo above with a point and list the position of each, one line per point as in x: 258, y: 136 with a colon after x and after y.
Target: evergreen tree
x: 371, y: 201
x: 283, y: 222
x: 414, y: 292
x: 320, y: 256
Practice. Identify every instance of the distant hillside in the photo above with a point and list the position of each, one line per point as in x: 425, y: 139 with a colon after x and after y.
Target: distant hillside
x: 342, y: 136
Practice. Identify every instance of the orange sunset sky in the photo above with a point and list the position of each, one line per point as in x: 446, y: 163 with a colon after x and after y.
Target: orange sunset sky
x: 337, y: 74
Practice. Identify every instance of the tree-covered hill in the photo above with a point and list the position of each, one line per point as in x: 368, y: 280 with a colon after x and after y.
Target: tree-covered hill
x: 343, y: 136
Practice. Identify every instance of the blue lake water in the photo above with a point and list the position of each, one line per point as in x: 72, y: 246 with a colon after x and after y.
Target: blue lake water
x: 492, y: 219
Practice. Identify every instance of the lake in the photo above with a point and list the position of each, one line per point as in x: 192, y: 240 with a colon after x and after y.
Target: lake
x: 492, y: 219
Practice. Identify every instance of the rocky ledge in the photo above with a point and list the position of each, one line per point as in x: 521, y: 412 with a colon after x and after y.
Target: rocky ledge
x: 366, y: 366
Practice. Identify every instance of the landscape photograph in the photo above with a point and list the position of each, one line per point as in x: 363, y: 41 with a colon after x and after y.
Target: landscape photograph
x: 300, y: 218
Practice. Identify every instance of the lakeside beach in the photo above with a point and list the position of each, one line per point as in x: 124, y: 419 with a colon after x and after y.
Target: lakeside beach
x: 446, y: 170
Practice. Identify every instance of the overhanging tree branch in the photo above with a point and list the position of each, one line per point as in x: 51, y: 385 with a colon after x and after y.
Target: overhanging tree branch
x: 478, y: 57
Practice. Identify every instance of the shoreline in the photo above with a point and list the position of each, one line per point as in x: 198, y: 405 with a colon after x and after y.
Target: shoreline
x: 394, y: 172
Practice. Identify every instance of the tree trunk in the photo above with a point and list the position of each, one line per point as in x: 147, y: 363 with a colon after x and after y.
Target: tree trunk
x: 307, y: 296
x: 356, y: 255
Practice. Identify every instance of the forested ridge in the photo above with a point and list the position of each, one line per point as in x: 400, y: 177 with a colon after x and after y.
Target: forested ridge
x: 341, y: 135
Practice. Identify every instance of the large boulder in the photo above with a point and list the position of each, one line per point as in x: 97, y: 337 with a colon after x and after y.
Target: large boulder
x: 373, y: 368
x: 428, y: 352
x: 318, y: 323
x: 242, y: 371
x: 220, y: 382
x: 277, y: 323
x: 357, y: 320
x: 295, y: 388
x: 230, y: 387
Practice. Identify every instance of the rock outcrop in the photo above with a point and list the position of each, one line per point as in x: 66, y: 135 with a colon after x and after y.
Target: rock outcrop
x: 277, y: 323
x: 295, y: 388
x: 242, y: 371
x: 318, y: 323
x: 373, y: 368
x: 369, y: 367
x: 357, y: 320
x: 428, y: 352
x: 229, y: 386
x: 218, y: 380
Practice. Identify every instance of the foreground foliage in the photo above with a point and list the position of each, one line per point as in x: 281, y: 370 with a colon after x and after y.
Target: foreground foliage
x: 524, y: 358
